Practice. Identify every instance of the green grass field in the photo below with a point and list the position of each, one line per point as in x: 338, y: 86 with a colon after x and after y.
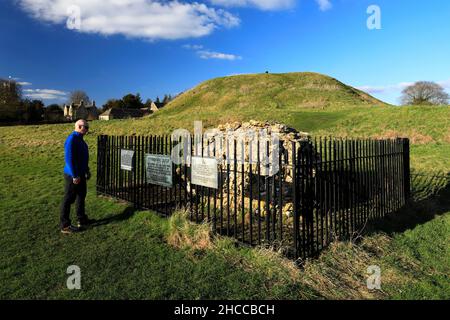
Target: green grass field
x: 133, y: 254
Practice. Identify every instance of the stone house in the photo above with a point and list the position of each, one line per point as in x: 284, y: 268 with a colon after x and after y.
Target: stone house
x: 155, y: 106
x: 75, y: 112
x: 118, y: 113
x: 146, y: 111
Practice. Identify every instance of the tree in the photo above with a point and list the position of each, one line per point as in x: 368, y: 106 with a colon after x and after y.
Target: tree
x: 131, y: 101
x: 112, y: 103
x: 53, y: 107
x: 424, y: 93
x: 167, y: 99
x: 53, y: 113
x: 77, y: 96
x: 148, y: 103
x: 11, y: 108
x: 34, y: 110
x: 157, y: 101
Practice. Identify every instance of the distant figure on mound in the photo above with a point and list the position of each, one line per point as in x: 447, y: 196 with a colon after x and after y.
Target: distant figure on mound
x: 76, y: 172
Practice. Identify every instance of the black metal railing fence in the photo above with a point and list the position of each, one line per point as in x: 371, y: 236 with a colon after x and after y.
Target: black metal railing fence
x: 324, y: 188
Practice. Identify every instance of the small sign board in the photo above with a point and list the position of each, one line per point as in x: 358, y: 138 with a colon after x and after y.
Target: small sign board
x: 126, y: 159
x: 159, y: 169
x: 204, y: 172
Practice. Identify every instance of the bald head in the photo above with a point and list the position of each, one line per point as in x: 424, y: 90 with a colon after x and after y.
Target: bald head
x: 81, y: 126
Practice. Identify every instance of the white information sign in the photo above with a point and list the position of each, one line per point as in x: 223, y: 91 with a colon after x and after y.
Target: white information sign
x: 126, y: 159
x: 204, y: 172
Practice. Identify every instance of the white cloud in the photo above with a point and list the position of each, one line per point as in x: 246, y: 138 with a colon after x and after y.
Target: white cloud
x: 397, y: 87
x: 324, y: 5
x: 384, y: 89
x: 208, y: 54
x: 24, y: 83
x: 45, y: 94
x: 147, y: 19
x: 193, y: 46
x: 260, y: 4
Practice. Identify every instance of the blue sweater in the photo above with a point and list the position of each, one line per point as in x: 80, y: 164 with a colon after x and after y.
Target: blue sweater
x: 76, y: 155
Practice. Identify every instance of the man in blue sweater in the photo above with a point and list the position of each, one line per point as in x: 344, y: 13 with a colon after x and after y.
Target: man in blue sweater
x: 76, y: 172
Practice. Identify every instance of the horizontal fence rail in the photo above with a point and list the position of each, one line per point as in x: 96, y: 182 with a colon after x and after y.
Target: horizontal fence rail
x: 324, y: 189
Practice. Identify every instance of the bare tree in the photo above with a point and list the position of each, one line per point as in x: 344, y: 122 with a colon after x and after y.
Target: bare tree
x: 424, y: 93
x: 77, y: 96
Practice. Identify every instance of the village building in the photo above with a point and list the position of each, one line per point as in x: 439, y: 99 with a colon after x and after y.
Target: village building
x: 119, y: 113
x: 146, y: 111
x: 156, y: 106
x: 79, y: 111
x: 123, y: 113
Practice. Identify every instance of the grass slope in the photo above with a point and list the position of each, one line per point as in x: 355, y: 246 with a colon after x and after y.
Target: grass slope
x: 295, y: 90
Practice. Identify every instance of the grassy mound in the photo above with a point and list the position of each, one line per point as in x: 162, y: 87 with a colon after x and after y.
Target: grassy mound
x: 295, y: 90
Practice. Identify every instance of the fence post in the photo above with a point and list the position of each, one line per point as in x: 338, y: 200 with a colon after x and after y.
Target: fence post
x: 295, y: 197
x: 99, y: 156
x: 406, y: 168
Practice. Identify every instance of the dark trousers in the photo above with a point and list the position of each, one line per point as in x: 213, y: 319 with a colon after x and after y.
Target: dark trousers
x: 73, y: 192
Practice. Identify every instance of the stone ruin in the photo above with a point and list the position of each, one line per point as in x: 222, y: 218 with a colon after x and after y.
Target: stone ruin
x: 246, y: 148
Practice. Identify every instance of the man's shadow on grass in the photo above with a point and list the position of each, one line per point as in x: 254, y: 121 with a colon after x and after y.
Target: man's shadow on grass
x: 124, y: 215
x: 430, y: 197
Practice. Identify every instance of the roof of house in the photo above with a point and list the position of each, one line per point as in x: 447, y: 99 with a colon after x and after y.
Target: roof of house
x: 159, y: 105
x: 81, y: 104
x: 122, y: 112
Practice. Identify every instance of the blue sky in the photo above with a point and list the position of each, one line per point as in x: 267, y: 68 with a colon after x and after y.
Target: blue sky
x: 157, y: 47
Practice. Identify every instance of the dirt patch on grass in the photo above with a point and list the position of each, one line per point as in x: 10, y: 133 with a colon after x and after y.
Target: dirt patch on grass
x: 18, y: 142
x: 414, y: 136
x: 320, y: 103
x: 208, y: 97
x: 245, y: 89
x: 418, y: 138
x: 447, y: 136
x: 322, y: 86
x: 389, y: 134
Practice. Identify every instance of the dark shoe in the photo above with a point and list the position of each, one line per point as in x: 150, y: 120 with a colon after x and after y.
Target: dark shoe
x: 70, y: 229
x: 85, y: 223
